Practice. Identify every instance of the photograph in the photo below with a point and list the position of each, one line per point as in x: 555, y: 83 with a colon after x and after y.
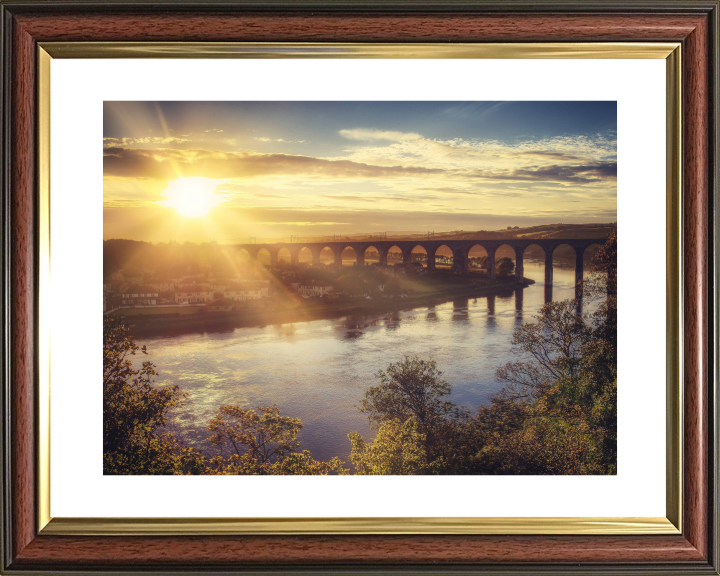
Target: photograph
x: 360, y: 288
x: 361, y: 239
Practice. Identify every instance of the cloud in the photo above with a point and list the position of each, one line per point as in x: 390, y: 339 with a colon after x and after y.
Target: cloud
x: 119, y: 203
x: 475, y: 110
x: 170, y: 164
x: 489, y: 154
x: 370, y: 134
x: 374, y: 199
x: 581, y: 174
x: 110, y: 142
x: 264, y: 139
x: 303, y: 223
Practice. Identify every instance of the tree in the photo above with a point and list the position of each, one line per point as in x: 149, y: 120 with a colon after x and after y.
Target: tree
x: 522, y: 439
x: 551, y: 349
x: 411, y: 388
x: 504, y: 266
x: 399, y: 448
x: 262, y: 442
x: 135, y: 411
x: 557, y: 413
x: 318, y: 274
x: 350, y: 284
x: 603, y: 270
x: 479, y: 261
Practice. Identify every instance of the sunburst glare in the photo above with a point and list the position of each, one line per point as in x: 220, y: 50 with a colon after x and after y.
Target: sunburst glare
x: 191, y: 197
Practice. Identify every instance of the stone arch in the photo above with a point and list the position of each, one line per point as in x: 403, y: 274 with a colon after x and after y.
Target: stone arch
x: 588, y: 253
x: 534, y: 252
x: 477, y: 257
x: 327, y: 256
x: 418, y: 253
x: 394, y: 255
x: 373, y: 255
x: 284, y: 255
x: 563, y: 252
x: 443, y: 257
x: 348, y: 254
x: 506, y: 251
x: 243, y: 256
x: 583, y: 265
x: 305, y: 255
x: 263, y: 256
x: 566, y: 255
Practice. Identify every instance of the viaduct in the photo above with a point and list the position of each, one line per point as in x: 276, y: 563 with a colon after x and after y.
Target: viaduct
x: 460, y: 250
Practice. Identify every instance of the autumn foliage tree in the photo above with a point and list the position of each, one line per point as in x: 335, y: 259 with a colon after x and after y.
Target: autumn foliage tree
x: 399, y: 448
x: 556, y: 414
x: 262, y: 442
x: 409, y: 390
x: 504, y: 266
x: 135, y: 412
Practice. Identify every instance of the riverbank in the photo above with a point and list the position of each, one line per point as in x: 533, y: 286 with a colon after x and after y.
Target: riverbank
x: 315, y: 309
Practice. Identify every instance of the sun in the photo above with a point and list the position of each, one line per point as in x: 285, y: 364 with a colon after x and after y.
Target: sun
x: 191, y: 197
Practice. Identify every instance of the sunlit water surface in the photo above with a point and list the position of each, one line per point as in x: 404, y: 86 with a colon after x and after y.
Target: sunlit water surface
x: 318, y: 371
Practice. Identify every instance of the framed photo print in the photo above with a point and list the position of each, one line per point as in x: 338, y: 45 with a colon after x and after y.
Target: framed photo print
x: 384, y: 288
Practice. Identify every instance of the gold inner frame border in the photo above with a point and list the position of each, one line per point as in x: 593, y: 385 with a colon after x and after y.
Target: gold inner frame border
x: 671, y: 524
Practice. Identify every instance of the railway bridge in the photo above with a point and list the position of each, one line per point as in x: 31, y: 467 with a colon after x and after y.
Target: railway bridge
x: 460, y: 250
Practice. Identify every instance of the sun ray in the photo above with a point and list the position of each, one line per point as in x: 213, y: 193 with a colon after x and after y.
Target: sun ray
x: 192, y: 197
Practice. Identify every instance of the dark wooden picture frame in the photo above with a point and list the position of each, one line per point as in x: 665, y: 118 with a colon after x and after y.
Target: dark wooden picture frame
x: 693, y: 23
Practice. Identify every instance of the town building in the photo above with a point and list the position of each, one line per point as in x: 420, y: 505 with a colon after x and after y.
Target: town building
x: 220, y: 285
x: 311, y: 289
x: 193, y: 294
x: 247, y: 291
x: 221, y: 305
x: 163, y: 284
x: 139, y: 295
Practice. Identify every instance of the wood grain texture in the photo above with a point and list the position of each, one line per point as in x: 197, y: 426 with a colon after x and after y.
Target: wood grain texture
x: 659, y: 553
x: 320, y: 27
x: 696, y: 189
x: 363, y: 550
x: 23, y: 292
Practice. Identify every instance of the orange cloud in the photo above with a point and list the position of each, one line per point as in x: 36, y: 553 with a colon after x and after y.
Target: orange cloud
x: 168, y: 164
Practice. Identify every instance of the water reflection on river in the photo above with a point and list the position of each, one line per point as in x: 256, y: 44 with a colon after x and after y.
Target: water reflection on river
x: 318, y: 370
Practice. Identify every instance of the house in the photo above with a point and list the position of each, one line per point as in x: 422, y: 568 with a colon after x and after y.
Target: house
x: 314, y: 289
x: 247, y: 291
x: 220, y: 285
x: 163, y: 284
x: 194, y: 294
x: 221, y: 305
x: 139, y: 295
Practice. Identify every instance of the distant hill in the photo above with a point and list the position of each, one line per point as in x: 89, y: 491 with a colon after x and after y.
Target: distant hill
x: 545, y: 231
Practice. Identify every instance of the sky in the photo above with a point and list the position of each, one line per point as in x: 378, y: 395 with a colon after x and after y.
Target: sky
x: 228, y: 171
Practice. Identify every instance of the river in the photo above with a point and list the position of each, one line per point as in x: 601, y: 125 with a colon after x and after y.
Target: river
x: 319, y: 370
